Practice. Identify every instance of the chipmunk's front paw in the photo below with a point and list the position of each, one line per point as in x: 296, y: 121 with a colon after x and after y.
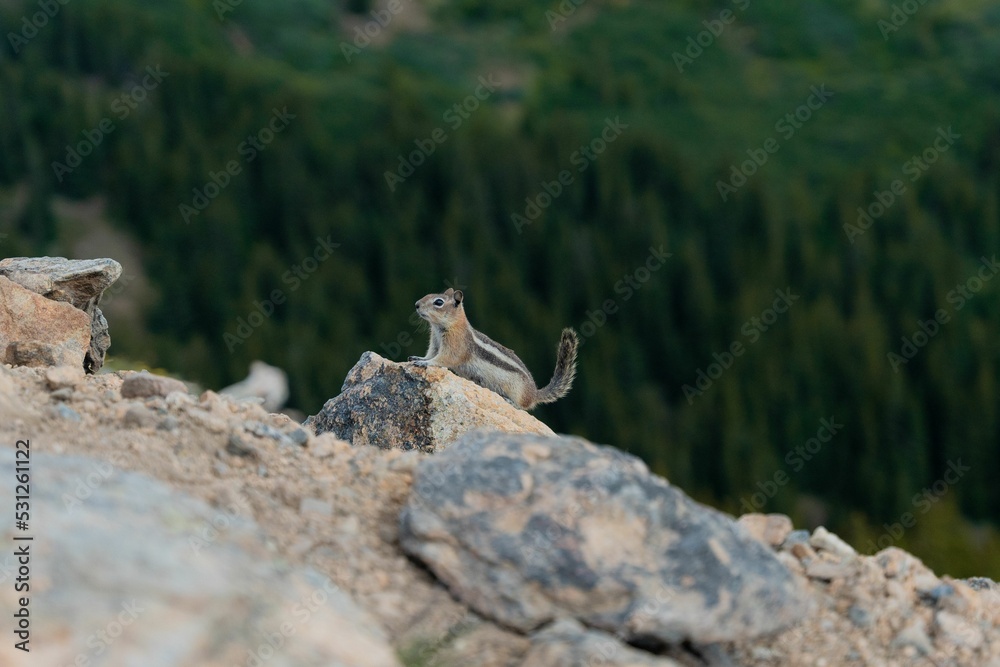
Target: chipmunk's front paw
x: 419, y: 361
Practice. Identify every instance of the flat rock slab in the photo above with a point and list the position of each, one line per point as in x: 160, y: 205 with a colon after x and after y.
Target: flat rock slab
x: 126, y: 571
x: 525, y: 529
x: 75, y: 281
x: 403, y: 406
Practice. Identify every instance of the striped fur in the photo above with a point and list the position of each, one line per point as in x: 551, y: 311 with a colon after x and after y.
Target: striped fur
x: 475, y: 356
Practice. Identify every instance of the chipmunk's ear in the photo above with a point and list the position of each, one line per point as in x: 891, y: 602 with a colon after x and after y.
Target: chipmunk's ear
x: 448, y: 291
x: 458, y: 297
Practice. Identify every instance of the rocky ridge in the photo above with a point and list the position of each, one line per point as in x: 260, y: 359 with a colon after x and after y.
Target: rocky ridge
x: 349, y: 513
x: 417, y: 520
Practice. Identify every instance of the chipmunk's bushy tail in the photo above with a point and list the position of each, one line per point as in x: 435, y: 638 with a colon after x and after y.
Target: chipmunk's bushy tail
x: 562, y: 378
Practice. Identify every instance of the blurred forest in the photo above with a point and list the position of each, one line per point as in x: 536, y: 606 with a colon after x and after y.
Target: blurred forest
x: 188, y: 88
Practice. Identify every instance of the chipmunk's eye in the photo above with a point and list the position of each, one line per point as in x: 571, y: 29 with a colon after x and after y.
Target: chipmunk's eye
x: 438, y: 302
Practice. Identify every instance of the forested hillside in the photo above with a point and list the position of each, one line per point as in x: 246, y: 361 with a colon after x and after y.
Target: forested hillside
x: 775, y: 226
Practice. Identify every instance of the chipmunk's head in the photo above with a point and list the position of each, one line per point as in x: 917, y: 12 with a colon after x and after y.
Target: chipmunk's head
x: 442, y: 309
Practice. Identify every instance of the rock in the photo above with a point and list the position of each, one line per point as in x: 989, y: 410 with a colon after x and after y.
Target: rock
x: 327, y: 445
x: 267, y: 382
x: 63, y: 377
x: 824, y: 540
x: 828, y: 570
x: 403, y: 406
x: 143, y: 385
x: 139, y: 416
x: 63, y: 394
x: 237, y: 446
x: 169, y: 423
x: 526, y: 528
x: 771, y: 529
x: 35, y: 331
x: 566, y: 643
x: 227, y: 598
x: 61, y: 411
x: 77, y: 282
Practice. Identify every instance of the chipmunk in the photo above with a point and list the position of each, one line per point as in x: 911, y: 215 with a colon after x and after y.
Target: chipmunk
x: 470, y: 354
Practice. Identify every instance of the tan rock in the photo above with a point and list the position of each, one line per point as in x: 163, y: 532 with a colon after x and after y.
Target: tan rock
x: 63, y: 377
x: 824, y: 540
x: 142, y: 385
x: 403, y: 406
x: 771, y: 529
x: 35, y: 331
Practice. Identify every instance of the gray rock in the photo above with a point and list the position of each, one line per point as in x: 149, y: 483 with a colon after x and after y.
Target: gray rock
x: 566, y: 643
x: 63, y: 394
x: 79, y: 282
x: 237, y: 446
x: 144, y: 385
x: 169, y: 423
x: 171, y: 590
x: 525, y: 529
x: 403, y: 406
x: 62, y: 411
x: 298, y: 437
x: 139, y: 416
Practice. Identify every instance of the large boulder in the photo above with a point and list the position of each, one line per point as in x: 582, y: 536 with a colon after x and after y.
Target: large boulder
x: 126, y: 571
x: 78, y: 282
x: 525, y: 529
x: 403, y: 406
x: 35, y: 331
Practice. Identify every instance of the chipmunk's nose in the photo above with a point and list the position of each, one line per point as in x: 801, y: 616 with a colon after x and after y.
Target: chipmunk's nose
x: 417, y: 304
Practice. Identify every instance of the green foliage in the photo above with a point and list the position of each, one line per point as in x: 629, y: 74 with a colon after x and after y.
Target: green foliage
x: 656, y: 184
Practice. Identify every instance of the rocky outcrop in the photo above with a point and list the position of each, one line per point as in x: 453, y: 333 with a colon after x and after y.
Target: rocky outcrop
x: 177, y: 596
x: 403, y: 406
x: 321, y: 503
x: 79, y: 283
x: 35, y: 331
x: 526, y: 529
